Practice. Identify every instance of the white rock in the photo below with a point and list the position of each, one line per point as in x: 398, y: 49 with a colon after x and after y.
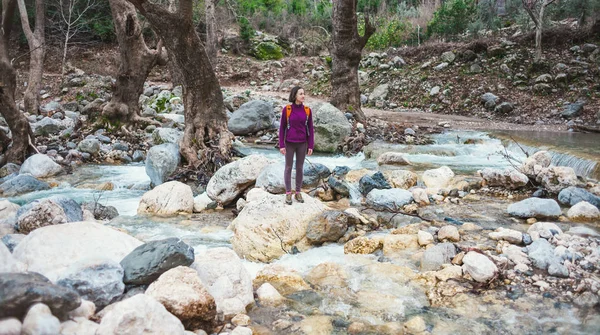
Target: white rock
x: 226, y: 278
x: 269, y: 296
x: 40, y: 321
x: 401, y: 178
x: 397, y: 242
x: 516, y: 255
x: 8, y: 263
x: 79, y: 326
x: 139, y: 314
x: 40, y: 166
x: 256, y: 194
x: 534, y: 164
x: 392, y: 158
x: 234, y: 178
x: 8, y: 209
x: 584, y: 211
x: 438, y: 178
x: 51, y: 250
x: 258, y: 225
x: 544, y: 229
x: 201, y: 202
x: 420, y: 196
x: 509, y: 235
x: 239, y: 330
x: 556, y: 178
x: 10, y: 326
x: 449, y: 233
x: 167, y: 199
x: 424, y: 238
x: 354, y: 212
x: 86, y: 310
x: 479, y: 266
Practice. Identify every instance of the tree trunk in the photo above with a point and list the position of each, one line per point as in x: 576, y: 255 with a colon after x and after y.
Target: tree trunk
x: 18, y: 125
x: 211, y: 32
x: 37, y: 49
x: 347, y: 46
x: 538, y: 33
x: 136, y: 63
x: 206, y: 141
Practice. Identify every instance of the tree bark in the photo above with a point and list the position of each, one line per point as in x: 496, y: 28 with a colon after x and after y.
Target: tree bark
x: 347, y: 46
x: 206, y: 141
x: 538, y: 20
x: 17, y: 123
x: 137, y: 60
x: 37, y: 51
x: 211, y: 32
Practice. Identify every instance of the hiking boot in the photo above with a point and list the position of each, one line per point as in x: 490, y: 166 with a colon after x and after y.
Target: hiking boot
x: 298, y: 197
x: 288, y: 198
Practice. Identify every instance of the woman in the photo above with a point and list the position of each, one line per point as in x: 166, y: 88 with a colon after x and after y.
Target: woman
x: 296, y: 136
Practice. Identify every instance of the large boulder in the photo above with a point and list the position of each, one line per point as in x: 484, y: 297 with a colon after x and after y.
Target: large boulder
x: 96, y: 280
x: 183, y: 294
x: 226, y: 278
x: 573, y: 195
x: 8, y: 210
x: 507, y: 178
x: 166, y: 135
x: 271, y: 177
x: 584, y: 211
x: 72, y: 209
x: 46, y: 126
x: 327, y: 227
x: 390, y: 199
x: 438, y: 178
x: 267, y: 226
x: 140, y: 314
x: 8, y: 262
x: 19, y: 291
x: 22, y: 184
x: 535, y: 208
x: 533, y: 165
x: 251, y: 117
x: 162, y: 160
x: 171, y: 198
x: 40, y: 166
x: 52, y: 250
x: 233, y: 179
x: 40, y: 213
x: 148, y: 261
x: 331, y: 127
x: 557, y: 178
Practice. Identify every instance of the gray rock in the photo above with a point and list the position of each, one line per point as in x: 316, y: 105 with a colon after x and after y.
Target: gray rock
x: 541, y: 254
x: 489, y: 100
x: 376, y: 181
x: 435, y: 256
x: 22, y: 184
x: 70, y: 106
x: 162, y: 160
x: 398, y: 61
x: 504, y: 68
x: 504, y: 108
x: 448, y: 56
x: 573, y: 195
x: 441, y: 66
x: 589, y: 47
x: 468, y: 55
x: 40, y: 166
x: 572, y: 110
x: 121, y: 146
x: 251, y: 117
x: 545, y: 78
x: 12, y: 240
x: 71, y: 207
x: 379, y: 93
x: 8, y: 169
x: 103, y: 138
x: 271, y: 177
x: 90, y: 146
x: 389, y: 199
x: 558, y: 270
x: 46, y: 126
x: 535, y: 208
x: 166, y: 135
x: 51, y: 107
x: 542, y: 88
x: 99, y: 282
x: 40, y: 213
x: 331, y: 127
x: 409, y: 131
x: 138, y: 156
x: 19, y: 291
x: 327, y: 227
x: 148, y: 261
x: 100, y: 211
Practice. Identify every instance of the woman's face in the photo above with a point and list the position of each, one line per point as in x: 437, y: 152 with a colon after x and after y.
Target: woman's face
x: 300, y: 97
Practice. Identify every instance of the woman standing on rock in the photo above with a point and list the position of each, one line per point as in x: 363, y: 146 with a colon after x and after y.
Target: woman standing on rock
x: 296, y: 136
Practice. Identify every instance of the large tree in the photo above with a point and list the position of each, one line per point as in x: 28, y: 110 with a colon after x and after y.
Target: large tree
x: 535, y: 9
x: 37, y: 49
x: 347, y: 46
x: 206, y: 141
x: 16, y: 152
x: 211, y: 31
x: 137, y: 60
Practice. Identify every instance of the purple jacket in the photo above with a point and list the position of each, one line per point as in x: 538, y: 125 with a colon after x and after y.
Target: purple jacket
x: 297, y: 131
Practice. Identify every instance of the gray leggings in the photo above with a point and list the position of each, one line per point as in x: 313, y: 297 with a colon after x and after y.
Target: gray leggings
x: 300, y: 150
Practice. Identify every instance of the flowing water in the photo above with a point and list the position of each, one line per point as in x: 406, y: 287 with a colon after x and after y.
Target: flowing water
x: 377, y: 289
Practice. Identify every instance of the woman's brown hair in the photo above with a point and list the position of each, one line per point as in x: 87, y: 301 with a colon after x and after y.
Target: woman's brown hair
x: 293, y: 94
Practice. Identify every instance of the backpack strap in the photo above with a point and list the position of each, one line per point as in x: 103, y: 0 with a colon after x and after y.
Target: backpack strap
x: 288, y: 111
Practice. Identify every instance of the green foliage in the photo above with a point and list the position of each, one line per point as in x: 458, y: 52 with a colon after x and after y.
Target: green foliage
x: 389, y: 33
x: 267, y: 51
x: 451, y: 18
x: 246, y: 30
x: 85, y: 95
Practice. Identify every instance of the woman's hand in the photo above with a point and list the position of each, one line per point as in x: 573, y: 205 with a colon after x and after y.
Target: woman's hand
x: 310, y: 152
x: 282, y: 150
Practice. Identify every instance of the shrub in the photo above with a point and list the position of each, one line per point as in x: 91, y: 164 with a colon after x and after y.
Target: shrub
x: 246, y: 30
x: 452, y: 18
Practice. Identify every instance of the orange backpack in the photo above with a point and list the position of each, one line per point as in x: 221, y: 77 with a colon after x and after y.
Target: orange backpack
x: 288, y: 111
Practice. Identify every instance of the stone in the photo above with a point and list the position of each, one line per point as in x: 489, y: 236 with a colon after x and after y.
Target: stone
x: 544, y: 229
x: 504, y: 108
x: 40, y: 321
x: 8, y: 209
x: 201, y: 202
x: 420, y: 196
x: 40, y: 166
x: 231, y: 180
x: 86, y: 310
x: 544, y: 78
x: 269, y: 296
x: 139, y: 312
x: 392, y: 158
x: 167, y: 135
x: 7, y: 261
x: 397, y: 242
x: 371, y: 182
x: 226, y: 279
x: 571, y: 196
x: 239, y: 330
x: 251, y: 117
x: 161, y: 162
x: 99, y: 211
x: 168, y: 199
x: 8, y: 169
x: 46, y: 127
x: 51, y: 250
x: 267, y: 226
x: 330, y: 226
x: 401, y: 178
x: 448, y: 57
x: 317, y: 325
x: 434, y: 257
x: 479, y: 266
x: 379, y: 93
x: 78, y: 326
x: 416, y: 325
x: 241, y: 320
x: 536, y: 208
x: 557, y: 178
x: 389, y: 199
x: 450, y: 272
x: 148, y: 261
x: 10, y: 326
x: 572, y: 110
x: 541, y: 253
x: 183, y: 295
x: 271, y: 177
x: 584, y: 211
x: 285, y: 280
x: 97, y: 280
x: 361, y: 245
x: 327, y: 276
x: 438, y: 178
x: 90, y: 146
x: 424, y: 238
x: 509, y: 235
x: 434, y: 91
x: 489, y: 99
x: 508, y: 178
x: 19, y: 291
x: 534, y: 164
x: 40, y: 213
x: 441, y: 66
x: 449, y: 233
x: 330, y: 126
